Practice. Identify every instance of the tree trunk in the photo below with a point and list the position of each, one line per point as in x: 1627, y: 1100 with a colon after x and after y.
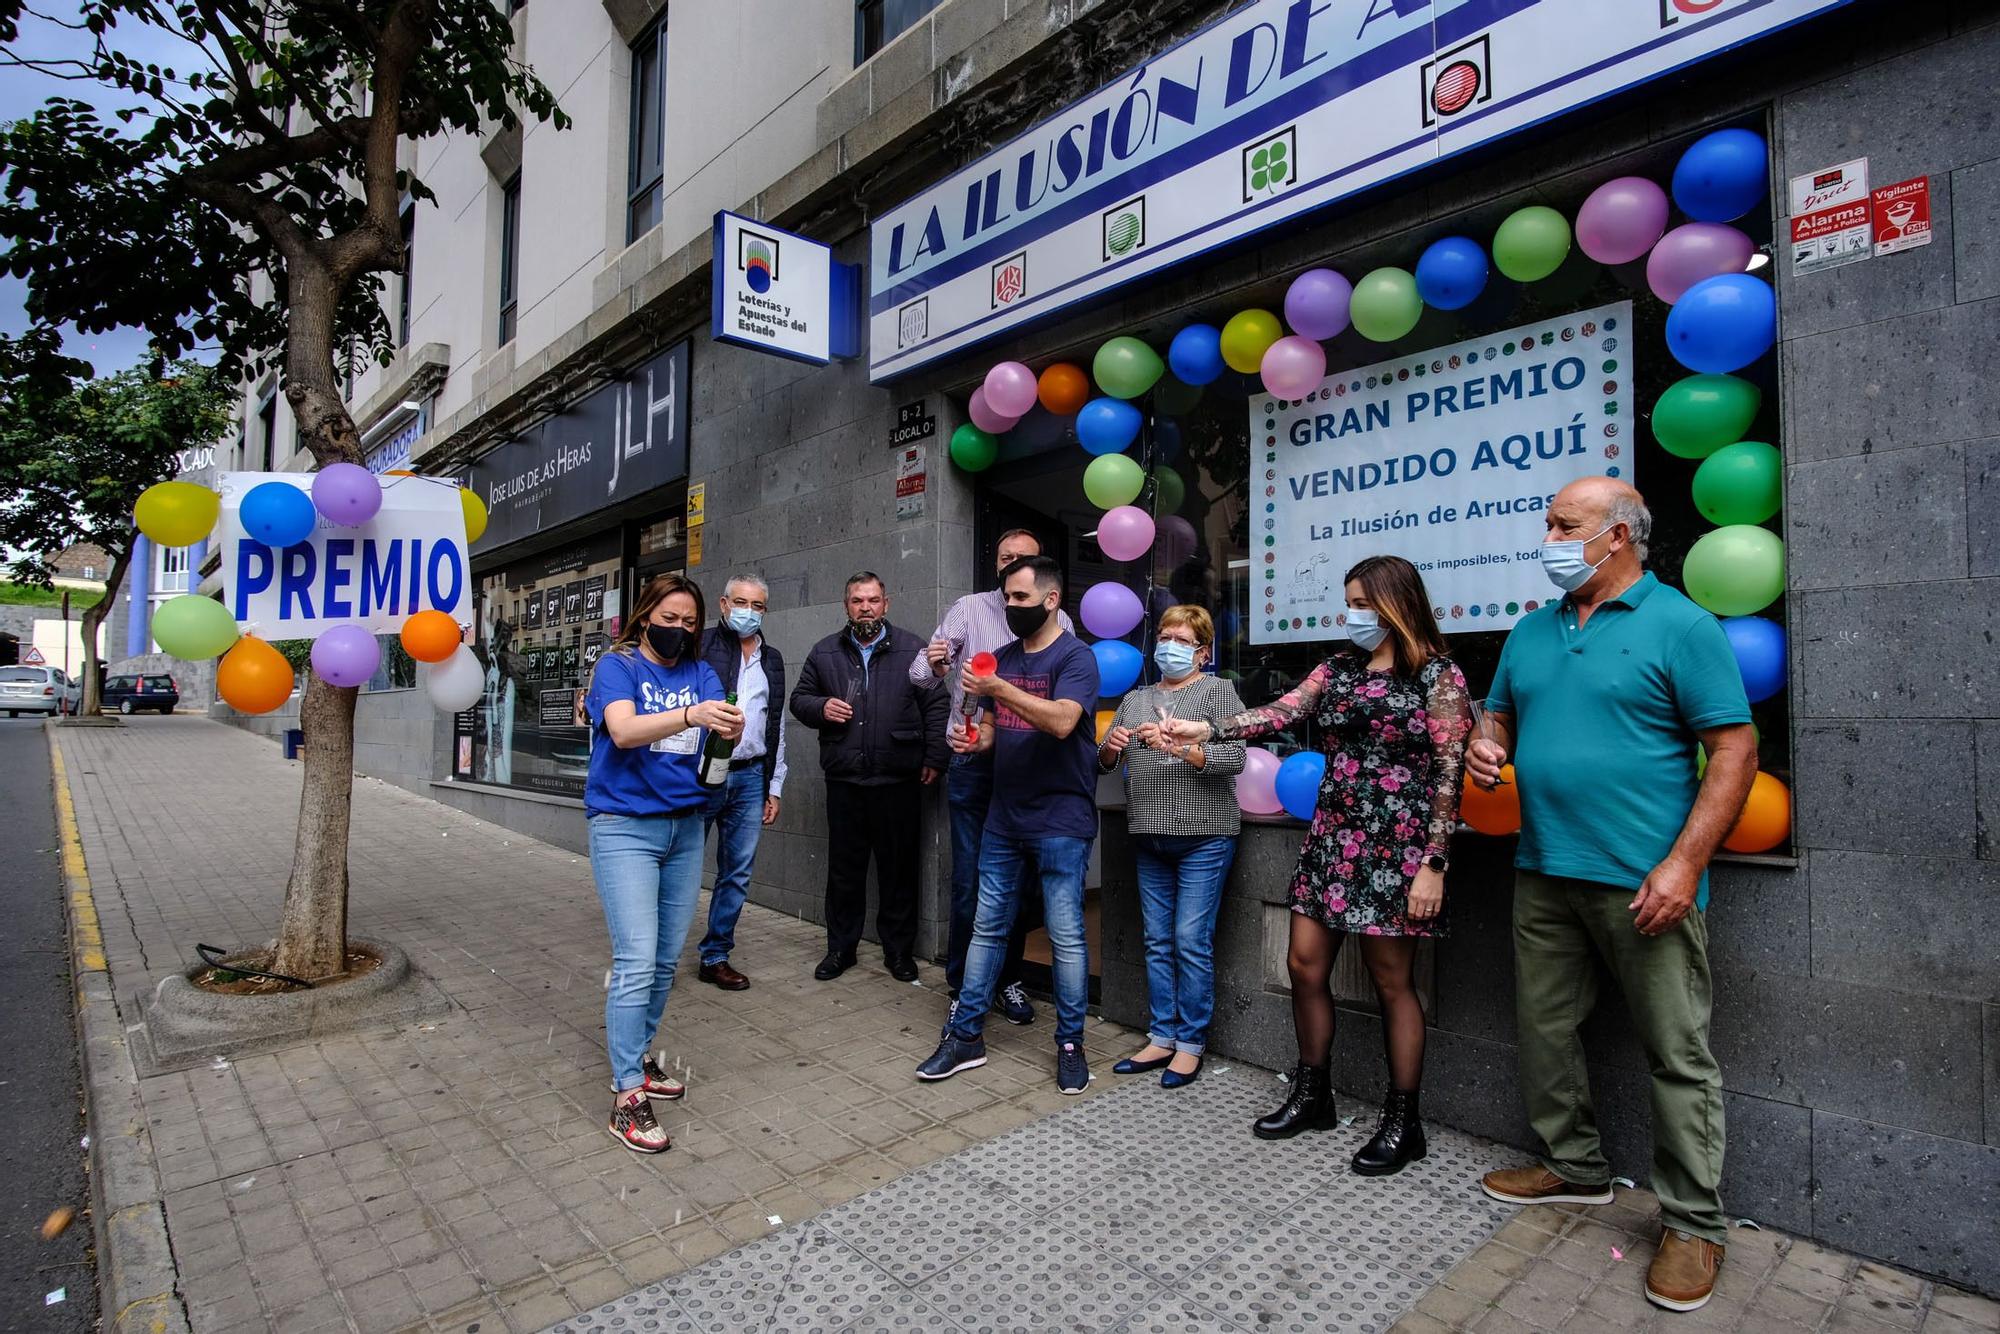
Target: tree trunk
x: 91, y: 705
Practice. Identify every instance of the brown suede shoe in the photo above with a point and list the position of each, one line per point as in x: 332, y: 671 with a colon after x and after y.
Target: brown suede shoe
x: 722, y: 975
x: 1683, y: 1273
x: 1538, y: 1185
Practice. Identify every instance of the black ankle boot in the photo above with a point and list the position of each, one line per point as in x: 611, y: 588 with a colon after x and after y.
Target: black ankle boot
x: 1308, y: 1106
x: 1399, y: 1140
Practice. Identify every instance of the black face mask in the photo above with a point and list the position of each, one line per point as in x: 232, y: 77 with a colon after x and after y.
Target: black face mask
x: 864, y: 631
x: 669, y: 641
x: 1025, y: 621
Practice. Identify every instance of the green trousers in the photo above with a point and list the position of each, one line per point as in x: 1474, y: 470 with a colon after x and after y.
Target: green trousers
x: 1563, y: 930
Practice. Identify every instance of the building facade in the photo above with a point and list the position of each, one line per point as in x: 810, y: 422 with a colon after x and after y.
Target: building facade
x: 555, y: 351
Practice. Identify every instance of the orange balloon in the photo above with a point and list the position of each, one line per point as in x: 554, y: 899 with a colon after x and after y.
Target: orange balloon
x: 1063, y: 389
x: 1767, y: 817
x: 431, y: 636
x: 1497, y: 812
x: 253, y: 677
x: 399, y: 472
x: 1105, y: 717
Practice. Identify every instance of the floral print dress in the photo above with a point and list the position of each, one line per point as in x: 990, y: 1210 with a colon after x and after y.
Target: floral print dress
x: 1395, y: 757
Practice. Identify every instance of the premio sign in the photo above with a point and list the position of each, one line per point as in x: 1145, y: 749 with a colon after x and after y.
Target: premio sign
x: 1258, y: 119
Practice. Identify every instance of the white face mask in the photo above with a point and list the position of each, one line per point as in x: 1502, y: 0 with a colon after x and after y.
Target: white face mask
x: 1566, y: 565
x: 1365, y: 630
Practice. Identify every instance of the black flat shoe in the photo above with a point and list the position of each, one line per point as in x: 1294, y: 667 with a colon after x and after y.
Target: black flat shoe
x: 1129, y: 1066
x: 833, y: 965
x: 901, y: 967
x: 1174, y: 1079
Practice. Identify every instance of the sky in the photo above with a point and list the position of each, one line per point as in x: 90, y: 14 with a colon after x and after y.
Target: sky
x: 22, y: 92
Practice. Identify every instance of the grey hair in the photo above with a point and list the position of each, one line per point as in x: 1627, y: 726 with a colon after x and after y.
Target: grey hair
x: 747, y: 577
x: 1631, y: 511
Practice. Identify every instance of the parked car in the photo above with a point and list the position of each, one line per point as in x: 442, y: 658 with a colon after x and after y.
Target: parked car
x: 150, y: 690
x: 38, y: 690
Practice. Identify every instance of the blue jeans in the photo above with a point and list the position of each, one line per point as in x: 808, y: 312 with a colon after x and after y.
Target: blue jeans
x: 648, y: 871
x: 1003, y: 869
x: 1180, y: 888
x: 738, y: 806
x: 968, y: 791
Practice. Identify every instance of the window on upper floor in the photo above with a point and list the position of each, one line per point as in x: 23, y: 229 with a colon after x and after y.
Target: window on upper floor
x: 880, y: 22
x: 267, y: 429
x: 510, y: 255
x: 649, y: 123
x: 409, y: 275
x: 172, y: 575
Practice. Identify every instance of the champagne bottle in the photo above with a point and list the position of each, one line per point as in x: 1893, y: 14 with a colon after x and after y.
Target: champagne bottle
x: 714, y: 769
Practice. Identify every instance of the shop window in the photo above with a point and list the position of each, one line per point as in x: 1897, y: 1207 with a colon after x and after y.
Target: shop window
x: 1214, y: 458
x: 510, y: 255
x: 648, y: 134
x: 542, y: 623
x: 880, y: 22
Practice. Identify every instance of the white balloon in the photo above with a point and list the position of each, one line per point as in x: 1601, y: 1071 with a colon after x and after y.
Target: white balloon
x: 457, y: 682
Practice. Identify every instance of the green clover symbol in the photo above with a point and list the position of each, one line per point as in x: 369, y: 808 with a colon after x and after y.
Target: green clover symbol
x: 1269, y: 168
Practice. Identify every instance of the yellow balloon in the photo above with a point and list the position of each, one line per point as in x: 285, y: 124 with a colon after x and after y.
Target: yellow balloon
x: 177, y: 514
x: 1247, y: 336
x: 475, y: 513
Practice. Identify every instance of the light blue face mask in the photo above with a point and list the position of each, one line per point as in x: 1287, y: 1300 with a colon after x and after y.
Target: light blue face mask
x: 1365, y: 630
x: 1565, y: 563
x: 745, y: 621
x: 1174, y: 660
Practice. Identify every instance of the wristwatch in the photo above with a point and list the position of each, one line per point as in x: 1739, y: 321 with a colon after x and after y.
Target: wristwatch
x: 1436, y: 862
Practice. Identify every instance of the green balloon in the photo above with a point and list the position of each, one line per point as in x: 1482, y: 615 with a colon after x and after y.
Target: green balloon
x: 973, y: 449
x: 1112, y: 480
x: 1126, y: 368
x: 1740, y: 483
x: 193, y: 627
x: 1531, y: 244
x: 1385, y: 305
x: 1171, y: 398
x: 1170, y: 490
x: 1702, y: 413
x: 1735, y: 571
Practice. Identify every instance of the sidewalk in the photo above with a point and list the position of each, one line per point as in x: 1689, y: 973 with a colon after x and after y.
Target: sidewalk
x: 457, y: 1176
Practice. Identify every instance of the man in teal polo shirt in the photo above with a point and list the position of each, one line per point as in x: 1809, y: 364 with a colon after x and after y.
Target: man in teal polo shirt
x: 1600, y: 698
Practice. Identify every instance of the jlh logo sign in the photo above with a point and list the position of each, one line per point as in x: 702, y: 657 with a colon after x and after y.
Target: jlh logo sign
x: 1673, y: 11
x: 1124, y: 228
x: 757, y: 259
x: 1010, y: 280
x: 1457, y: 79
x: 1271, y: 166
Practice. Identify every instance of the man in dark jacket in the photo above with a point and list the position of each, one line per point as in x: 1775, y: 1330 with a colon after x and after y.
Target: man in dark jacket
x: 880, y: 739
x: 754, y: 672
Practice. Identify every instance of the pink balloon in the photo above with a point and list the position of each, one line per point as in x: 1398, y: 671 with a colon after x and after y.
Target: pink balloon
x: 1621, y: 220
x: 1011, y: 389
x: 1693, y: 252
x: 1110, y: 610
x: 1125, y: 533
x: 1316, y: 303
x: 985, y: 418
x: 1293, y: 367
x: 1257, y: 785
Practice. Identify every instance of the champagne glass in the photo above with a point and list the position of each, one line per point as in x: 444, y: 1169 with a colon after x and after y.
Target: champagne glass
x: 855, y: 693
x: 1483, y: 728
x: 1163, y: 708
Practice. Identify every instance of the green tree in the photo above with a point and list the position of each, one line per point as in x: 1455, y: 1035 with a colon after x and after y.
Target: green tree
x: 74, y: 459
x: 250, y: 199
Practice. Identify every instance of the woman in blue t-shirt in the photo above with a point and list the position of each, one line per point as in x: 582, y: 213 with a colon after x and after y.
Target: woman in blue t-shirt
x: 651, y: 696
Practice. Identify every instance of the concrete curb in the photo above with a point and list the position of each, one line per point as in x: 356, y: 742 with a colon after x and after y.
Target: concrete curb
x: 138, y: 1286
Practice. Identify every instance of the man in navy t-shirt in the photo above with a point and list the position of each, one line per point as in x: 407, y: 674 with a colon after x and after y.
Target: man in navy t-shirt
x: 1036, y: 721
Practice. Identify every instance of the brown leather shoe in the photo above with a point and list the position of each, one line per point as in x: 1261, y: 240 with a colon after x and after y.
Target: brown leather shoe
x: 1683, y: 1273
x: 1538, y: 1185
x: 722, y: 975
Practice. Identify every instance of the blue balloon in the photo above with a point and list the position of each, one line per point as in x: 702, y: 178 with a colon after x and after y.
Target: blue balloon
x: 1723, y: 175
x: 1298, y: 783
x: 1760, y: 654
x: 1167, y: 438
x: 1107, y: 425
x: 1722, y: 324
x: 1118, y: 666
x: 278, y: 514
x: 1452, y: 273
x: 1196, y: 354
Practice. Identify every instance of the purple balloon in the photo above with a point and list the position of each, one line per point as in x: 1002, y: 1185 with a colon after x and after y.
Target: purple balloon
x: 1110, y: 610
x: 1695, y: 251
x: 1174, y: 543
x: 346, y: 655
x: 1293, y: 367
x: 1316, y: 303
x: 1125, y: 533
x: 1257, y: 785
x: 346, y: 493
x: 1011, y: 389
x: 985, y: 418
x: 1621, y: 220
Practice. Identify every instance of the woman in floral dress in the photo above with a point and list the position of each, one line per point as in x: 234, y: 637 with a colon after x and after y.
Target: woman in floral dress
x: 1393, y: 716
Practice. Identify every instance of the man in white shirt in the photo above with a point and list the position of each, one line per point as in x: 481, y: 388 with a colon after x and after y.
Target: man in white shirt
x: 754, y: 672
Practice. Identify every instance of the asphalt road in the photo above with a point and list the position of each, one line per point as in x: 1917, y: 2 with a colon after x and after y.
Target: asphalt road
x: 41, y: 1084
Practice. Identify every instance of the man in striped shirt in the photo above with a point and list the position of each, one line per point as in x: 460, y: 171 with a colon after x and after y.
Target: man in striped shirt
x: 976, y: 623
